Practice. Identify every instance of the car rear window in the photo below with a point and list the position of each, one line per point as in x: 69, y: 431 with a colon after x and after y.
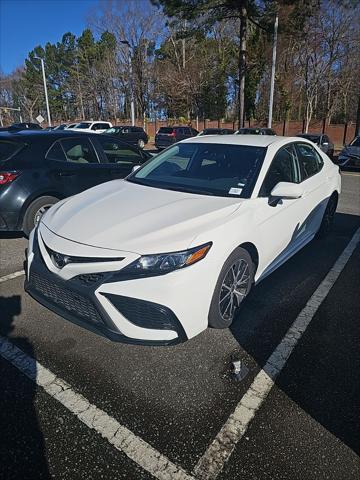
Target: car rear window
x: 83, y: 125
x: 166, y: 130
x: 8, y: 149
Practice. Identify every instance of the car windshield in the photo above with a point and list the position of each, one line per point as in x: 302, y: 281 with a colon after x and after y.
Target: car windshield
x: 355, y: 142
x: 204, y: 168
x: 83, y: 125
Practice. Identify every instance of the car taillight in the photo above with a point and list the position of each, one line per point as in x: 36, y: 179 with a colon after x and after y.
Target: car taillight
x: 173, y: 134
x: 7, y: 177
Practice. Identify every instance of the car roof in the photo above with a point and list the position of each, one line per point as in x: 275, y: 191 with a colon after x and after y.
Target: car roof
x: 53, y: 134
x: 248, y: 140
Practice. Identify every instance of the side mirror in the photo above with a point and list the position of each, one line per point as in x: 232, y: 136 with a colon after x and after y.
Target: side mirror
x: 286, y: 191
x: 135, y: 167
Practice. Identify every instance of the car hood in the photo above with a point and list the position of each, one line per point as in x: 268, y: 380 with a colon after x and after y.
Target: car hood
x: 124, y: 216
x: 350, y: 150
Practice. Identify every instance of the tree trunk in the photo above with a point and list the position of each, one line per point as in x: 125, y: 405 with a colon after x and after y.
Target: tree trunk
x: 242, y: 64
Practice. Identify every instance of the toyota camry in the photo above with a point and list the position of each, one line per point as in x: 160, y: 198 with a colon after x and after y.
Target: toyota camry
x: 175, y: 247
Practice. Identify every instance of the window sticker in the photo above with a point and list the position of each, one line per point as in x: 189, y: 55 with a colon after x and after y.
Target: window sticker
x: 235, y: 191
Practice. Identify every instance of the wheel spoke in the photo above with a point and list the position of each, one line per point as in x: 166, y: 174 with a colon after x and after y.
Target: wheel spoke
x: 225, y: 296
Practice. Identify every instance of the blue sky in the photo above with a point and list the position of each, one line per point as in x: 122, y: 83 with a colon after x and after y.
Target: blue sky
x: 25, y: 24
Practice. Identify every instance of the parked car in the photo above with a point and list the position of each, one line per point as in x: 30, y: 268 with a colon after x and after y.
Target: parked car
x: 63, y: 126
x: 39, y: 168
x: 350, y: 154
x: 216, y: 131
x: 255, y: 131
x: 21, y: 126
x: 230, y: 210
x: 133, y: 135
x: 166, y: 136
x: 94, y: 127
x: 321, y: 140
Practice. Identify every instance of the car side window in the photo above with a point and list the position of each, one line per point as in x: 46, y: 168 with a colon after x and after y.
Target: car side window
x: 282, y: 169
x: 116, y: 152
x: 310, y: 161
x: 78, y: 150
x: 56, y: 152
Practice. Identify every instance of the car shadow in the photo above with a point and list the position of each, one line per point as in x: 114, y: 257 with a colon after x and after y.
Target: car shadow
x: 321, y: 374
x: 11, y: 235
x: 22, y: 445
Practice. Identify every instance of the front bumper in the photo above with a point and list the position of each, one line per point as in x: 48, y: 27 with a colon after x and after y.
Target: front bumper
x: 94, y: 302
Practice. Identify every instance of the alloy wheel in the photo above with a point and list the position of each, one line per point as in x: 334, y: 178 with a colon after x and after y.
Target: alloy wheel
x: 40, y: 213
x: 234, y: 288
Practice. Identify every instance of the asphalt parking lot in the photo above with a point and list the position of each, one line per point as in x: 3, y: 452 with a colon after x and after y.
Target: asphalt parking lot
x: 177, y: 412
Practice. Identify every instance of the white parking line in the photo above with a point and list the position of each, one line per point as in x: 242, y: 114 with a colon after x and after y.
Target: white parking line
x: 5, y: 278
x: 119, y: 436
x: 211, y: 463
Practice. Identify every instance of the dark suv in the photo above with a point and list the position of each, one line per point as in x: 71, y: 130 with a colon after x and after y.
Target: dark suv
x: 166, y: 136
x: 22, y: 126
x: 133, y: 135
x: 38, y: 168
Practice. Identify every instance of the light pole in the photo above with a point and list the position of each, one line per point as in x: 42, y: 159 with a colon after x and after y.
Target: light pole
x: 132, y: 105
x: 45, y: 90
x: 272, y: 81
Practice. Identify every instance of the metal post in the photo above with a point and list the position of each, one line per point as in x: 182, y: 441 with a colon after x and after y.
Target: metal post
x: 272, y: 81
x: 323, y: 126
x: 45, y: 89
x: 345, y: 132
x: 132, y: 105
x: 357, y: 126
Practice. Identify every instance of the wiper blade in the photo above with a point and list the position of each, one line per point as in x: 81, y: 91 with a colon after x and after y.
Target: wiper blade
x: 187, y: 190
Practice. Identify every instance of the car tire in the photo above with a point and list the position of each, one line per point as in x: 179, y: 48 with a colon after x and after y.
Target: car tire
x: 141, y: 143
x: 35, y: 211
x: 221, y: 313
x: 328, y: 217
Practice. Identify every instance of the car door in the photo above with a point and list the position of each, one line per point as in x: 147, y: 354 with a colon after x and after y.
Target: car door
x: 118, y: 157
x: 315, y: 187
x: 133, y: 136
x: 326, y: 145
x: 279, y: 223
x: 74, y: 166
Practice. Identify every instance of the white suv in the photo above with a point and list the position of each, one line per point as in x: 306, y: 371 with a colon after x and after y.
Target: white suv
x: 95, y: 127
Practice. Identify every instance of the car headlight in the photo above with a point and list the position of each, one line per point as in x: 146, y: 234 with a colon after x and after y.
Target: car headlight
x: 160, y: 264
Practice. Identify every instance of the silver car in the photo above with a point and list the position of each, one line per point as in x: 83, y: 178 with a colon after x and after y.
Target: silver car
x: 321, y: 140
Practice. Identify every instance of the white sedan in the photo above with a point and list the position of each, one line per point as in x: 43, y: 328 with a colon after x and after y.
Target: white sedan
x: 93, y: 127
x: 175, y: 247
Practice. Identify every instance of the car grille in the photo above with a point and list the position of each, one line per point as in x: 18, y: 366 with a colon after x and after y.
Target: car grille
x: 68, y: 300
